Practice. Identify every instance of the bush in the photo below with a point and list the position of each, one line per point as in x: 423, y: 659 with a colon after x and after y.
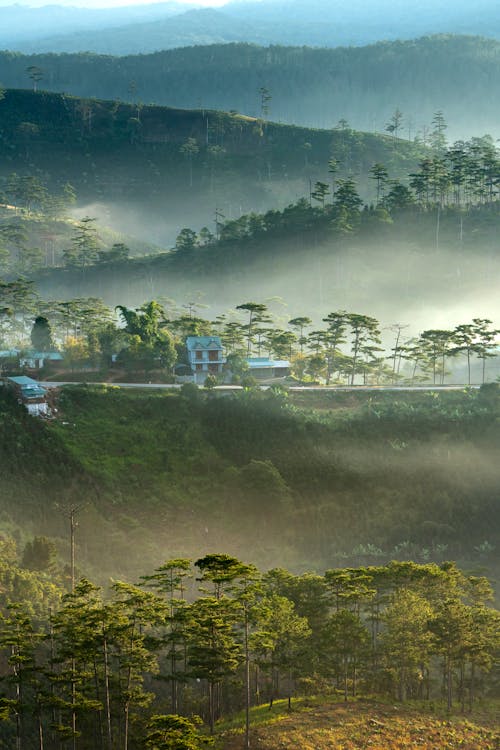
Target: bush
x: 210, y: 381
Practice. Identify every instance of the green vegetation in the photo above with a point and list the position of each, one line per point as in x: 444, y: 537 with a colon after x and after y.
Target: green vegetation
x: 383, y: 504
x: 146, y: 157
x: 364, y: 478
x: 309, y: 86
x: 94, y: 668
x: 315, y: 725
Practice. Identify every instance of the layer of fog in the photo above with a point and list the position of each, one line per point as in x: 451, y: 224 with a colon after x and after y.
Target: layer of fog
x: 422, y: 288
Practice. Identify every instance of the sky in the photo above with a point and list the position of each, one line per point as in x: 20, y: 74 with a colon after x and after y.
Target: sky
x: 111, y: 3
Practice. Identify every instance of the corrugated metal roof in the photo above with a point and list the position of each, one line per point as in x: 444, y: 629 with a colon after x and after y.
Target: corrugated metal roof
x: 265, y: 362
x: 33, y: 392
x: 43, y: 355
x: 203, y: 342
x: 23, y: 381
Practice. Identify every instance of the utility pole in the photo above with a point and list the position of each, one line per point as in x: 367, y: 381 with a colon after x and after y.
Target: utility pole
x: 219, y: 217
x: 71, y: 513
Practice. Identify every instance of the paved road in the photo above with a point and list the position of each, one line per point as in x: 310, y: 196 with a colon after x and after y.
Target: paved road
x: 320, y: 388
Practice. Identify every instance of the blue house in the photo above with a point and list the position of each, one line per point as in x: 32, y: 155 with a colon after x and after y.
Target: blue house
x: 205, y: 356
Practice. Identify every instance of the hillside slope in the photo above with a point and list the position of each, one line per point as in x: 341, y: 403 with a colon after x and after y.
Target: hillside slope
x: 313, y: 87
x: 363, y: 480
x: 364, y: 724
x: 149, y: 171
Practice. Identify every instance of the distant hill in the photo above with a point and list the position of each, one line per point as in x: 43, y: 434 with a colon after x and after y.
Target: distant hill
x: 149, y: 171
x: 194, y: 27
x: 312, y: 87
x: 146, y: 28
x: 23, y: 24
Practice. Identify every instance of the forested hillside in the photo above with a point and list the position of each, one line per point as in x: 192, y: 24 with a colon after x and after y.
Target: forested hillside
x: 313, y: 87
x: 150, y: 171
x: 365, y: 479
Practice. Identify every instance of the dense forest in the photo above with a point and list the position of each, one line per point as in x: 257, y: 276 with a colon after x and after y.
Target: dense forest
x: 92, y: 669
x: 307, y: 86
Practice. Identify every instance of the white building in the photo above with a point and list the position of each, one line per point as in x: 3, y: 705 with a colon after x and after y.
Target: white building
x: 205, y: 356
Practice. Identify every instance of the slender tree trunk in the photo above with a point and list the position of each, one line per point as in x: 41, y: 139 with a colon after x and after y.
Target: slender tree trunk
x: 18, y: 702
x: 247, y: 683
x: 73, y: 702
x: 449, y: 684
x: 107, y: 694
x: 462, y: 687
x: 40, y: 729
x: 99, y: 713
x: 211, y: 706
x: 472, y: 685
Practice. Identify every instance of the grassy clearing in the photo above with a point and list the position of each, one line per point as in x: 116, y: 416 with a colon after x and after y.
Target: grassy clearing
x: 364, y: 725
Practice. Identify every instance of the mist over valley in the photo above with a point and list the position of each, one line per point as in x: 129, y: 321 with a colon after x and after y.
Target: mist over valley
x: 249, y: 375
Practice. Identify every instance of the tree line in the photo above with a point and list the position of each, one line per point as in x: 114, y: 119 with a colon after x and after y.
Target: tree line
x: 131, y: 666
x: 346, y: 349
x: 309, y: 86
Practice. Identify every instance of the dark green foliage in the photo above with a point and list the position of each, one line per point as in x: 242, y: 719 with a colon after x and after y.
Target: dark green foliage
x: 173, y: 732
x: 367, y: 477
x: 41, y: 335
x: 88, y: 143
x: 317, y: 87
x: 40, y: 554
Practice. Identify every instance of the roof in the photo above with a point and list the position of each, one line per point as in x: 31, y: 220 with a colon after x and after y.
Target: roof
x: 35, y: 391
x: 255, y: 363
x: 203, y: 342
x: 6, y: 353
x: 53, y: 355
x: 23, y: 381
x: 29, y: 388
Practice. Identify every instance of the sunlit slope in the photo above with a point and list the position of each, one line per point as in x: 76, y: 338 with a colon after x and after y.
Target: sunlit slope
x: 309, y: 86
x: 363, y: 724
x: 363, y: 480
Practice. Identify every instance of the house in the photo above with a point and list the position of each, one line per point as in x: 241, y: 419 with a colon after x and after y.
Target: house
x: 263, y: 368
x: 30, y: 393
x: 205, y: 356
x: 36, y: 360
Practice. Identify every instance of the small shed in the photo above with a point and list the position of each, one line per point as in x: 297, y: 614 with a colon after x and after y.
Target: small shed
x: 30, y: 393
x: 36, y: 360
x: 263, y: 368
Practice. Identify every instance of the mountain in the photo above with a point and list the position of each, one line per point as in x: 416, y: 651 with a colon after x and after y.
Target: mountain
x: 23, y: 24
x: 311, y: 87
x: 146, y: 28
x: 194, y: 27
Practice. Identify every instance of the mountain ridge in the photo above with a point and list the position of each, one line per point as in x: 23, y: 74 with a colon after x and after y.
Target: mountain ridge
x: 312, y: 87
